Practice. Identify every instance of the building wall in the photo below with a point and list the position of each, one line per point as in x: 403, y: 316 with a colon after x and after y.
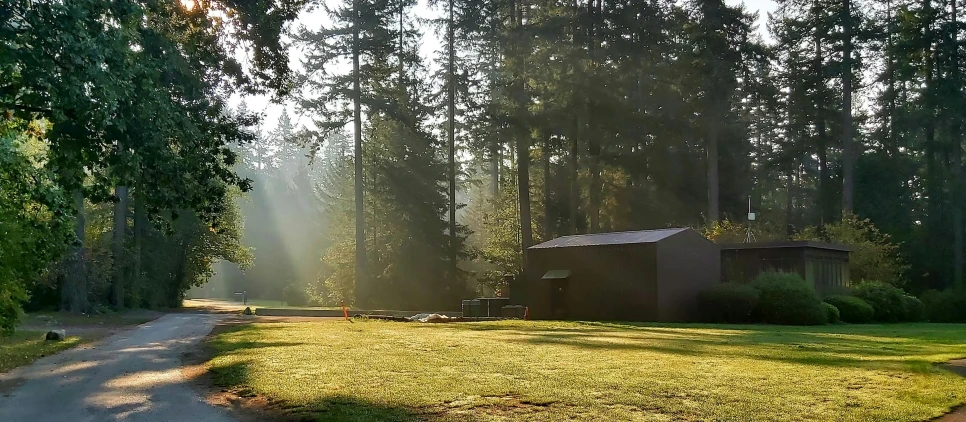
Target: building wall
x: 687, y: 263
x: 608, y: 282
x: 827, y: 270
x: 743, y: 265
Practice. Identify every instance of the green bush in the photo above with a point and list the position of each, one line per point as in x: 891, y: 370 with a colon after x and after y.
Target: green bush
x: 831, y: 313
x: 295, y: 295
x: 9, y: 316
x: 886, y: 300
x: 915, y: 310
x: 729, y: 303
x: 852, y: 309
x: 787, y: 299
x: 945, y: 306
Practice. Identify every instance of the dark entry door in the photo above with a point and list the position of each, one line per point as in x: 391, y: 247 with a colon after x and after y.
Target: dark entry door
x: 558, y: 298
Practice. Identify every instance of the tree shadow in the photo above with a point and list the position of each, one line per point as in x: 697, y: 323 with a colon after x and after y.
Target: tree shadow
x: 346, y: 408
x: 880, y: 349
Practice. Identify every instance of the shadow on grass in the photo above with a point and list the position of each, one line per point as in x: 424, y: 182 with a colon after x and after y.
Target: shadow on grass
x: 346, y: 408
x: 329, y: 408
x: 893, y: 347
x: 798, y: 345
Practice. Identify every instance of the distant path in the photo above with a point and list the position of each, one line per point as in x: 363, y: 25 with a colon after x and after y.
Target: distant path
x: 131, y: 376
x: 212, y: 306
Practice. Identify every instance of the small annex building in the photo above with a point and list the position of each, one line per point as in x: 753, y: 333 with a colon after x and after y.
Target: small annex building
x: 647, y: 275
x: 823, y: 265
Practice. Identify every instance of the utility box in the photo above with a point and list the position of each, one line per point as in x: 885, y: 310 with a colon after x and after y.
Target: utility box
x: 492, y: 306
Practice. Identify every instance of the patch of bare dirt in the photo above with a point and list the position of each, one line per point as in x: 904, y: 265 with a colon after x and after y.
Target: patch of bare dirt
x: 488, y: 407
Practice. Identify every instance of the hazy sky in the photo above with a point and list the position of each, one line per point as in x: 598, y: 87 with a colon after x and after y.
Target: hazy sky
x: 431, y: 42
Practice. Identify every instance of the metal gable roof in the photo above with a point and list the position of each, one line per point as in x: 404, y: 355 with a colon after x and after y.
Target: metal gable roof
x: 617, y: 238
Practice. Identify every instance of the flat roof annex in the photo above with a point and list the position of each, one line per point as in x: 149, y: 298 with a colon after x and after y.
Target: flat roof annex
x: 788, y: 244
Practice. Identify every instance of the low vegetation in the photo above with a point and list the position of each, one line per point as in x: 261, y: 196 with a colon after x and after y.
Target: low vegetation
x: 832, y: 314
x: 945, y: 306
x: 852, y: 309
x: 787, y: 299
x: 535, y: 371
x: 888, y: 301
x: 24, y: 347
x: 729, y: 302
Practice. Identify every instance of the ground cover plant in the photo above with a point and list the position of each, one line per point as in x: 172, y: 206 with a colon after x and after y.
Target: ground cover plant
x: 524, y: 370
x: 24, y: 347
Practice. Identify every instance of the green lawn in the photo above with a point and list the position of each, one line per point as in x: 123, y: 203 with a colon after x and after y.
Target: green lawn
x: 67, y: 320
x: 523, y: 370
x: 27, y: 346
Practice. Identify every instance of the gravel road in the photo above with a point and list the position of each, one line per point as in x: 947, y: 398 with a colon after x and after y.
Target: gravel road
x: 131, y: 376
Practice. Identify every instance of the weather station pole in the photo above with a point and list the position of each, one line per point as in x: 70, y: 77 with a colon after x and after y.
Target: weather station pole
x: 750, y: 235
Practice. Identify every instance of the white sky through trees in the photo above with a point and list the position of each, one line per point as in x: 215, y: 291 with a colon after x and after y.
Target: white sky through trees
x: 431, y: 43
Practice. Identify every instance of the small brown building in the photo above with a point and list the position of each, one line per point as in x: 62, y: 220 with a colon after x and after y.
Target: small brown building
x: 824, y: 265
x: 650, y: 275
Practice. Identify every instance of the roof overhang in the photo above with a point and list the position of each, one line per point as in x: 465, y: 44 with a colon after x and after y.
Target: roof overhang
x: 789, y: 244
x: 556, y: 275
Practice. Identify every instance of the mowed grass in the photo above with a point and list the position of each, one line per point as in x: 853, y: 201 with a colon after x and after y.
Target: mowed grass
x: 24, y: 347
x: 67, y: 320
x: 524, y: 370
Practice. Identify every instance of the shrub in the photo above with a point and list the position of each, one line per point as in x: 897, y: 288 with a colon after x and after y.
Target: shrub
x: 915, y: 310
x: 831, y: 313
x: 945, y: 306
x: 886, y: 300
x: 9, y: 316
x: 852, y: 309
x: 729, y: 302
x: 874, y: 255
x: 295, y: 295
x: 787, y: 299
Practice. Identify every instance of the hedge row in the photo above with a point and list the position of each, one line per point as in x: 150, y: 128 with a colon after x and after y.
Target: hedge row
x: 785, y: 298
x: 773, y: 298
x: 945, y: 306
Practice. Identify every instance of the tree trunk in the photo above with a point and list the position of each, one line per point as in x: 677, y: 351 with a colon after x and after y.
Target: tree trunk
x: 593, y: 140
x: 578, y: 114
x: 572, y: 182
x: 957, y: 164
x: 523, y: 146
x: 935, y: 223
x: 362, y: 279
x: 957, y: 205
x: 547, y: 221
x: 74, y: 288
x: 495, y: 169
x: 821, y: 143
x: 713, y: 211
x: 120, y: 228
x: 451, y: 138
x: 789, y: 210
x: 893, y: 147
x: 140, y: 226
x: 595, y: 188
x: 523, y: 176
x: 848, y: 148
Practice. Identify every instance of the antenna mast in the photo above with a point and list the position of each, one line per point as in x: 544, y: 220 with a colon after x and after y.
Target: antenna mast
x: 749, y: 235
